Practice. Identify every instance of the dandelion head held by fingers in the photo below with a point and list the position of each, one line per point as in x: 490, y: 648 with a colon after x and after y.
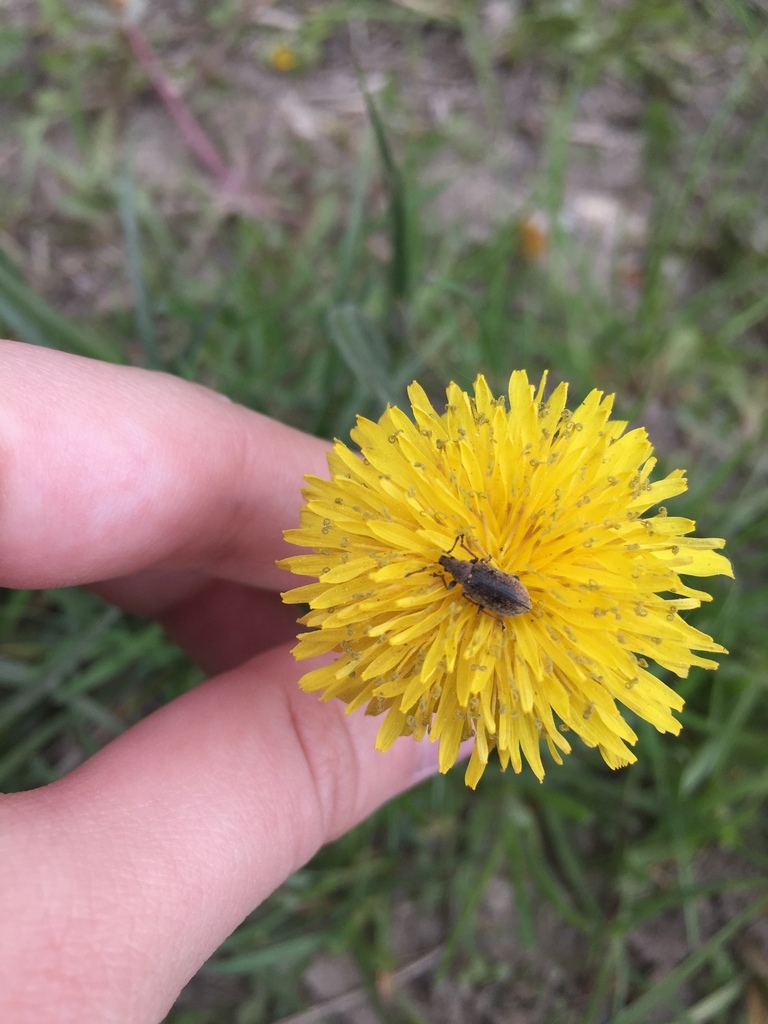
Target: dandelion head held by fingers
x: 491, y: 572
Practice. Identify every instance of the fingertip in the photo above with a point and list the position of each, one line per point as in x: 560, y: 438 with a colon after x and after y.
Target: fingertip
x: 111, y: 470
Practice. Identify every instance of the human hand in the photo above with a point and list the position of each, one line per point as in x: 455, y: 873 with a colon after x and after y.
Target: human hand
x: 120, y: 879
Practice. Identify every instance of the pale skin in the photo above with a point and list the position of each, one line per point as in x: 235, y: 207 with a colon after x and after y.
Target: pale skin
x: 119, y: 880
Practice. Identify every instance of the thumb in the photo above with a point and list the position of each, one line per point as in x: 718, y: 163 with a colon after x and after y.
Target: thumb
x: 123, y: 877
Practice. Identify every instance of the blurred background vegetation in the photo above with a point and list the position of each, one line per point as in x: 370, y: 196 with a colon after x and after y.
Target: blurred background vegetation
x: 431, y: 189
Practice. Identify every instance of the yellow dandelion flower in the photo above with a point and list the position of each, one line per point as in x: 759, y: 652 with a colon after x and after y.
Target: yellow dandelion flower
x: 491, y: 573
x: 283, y: 58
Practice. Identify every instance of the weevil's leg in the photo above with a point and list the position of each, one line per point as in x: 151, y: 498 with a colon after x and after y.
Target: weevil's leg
x: 466, y: 548
x: 459, y: 537
x: 498, y: 618
x: 492, y: 615
x: 475, y: 558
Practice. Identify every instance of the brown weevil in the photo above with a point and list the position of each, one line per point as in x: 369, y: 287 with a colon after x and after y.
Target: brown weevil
x: 493, y: 591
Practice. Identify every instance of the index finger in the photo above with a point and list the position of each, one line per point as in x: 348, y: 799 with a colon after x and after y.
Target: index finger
x: 108, y: 470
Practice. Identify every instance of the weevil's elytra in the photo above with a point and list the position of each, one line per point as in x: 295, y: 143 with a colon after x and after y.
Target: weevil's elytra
x: 499, y: 593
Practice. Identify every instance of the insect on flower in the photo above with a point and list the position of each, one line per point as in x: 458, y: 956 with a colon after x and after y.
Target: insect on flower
x: 489, y: 488
x: 493, y: 591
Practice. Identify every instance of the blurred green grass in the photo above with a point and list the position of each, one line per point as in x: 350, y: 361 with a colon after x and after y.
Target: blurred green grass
x: 331, y: 312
